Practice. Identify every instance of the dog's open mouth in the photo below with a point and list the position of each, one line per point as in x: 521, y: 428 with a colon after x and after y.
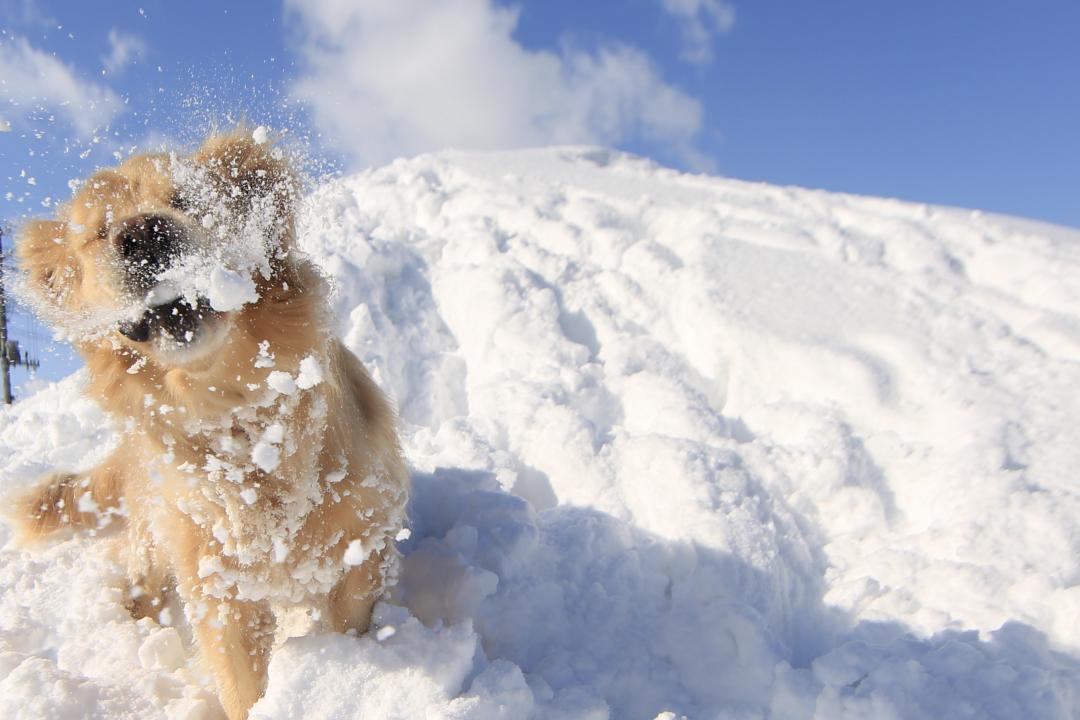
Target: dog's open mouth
x: 177, y: 319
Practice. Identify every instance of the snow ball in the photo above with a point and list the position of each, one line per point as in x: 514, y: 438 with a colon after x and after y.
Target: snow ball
x: 229, y: 290
x: 311, y: 373
x: 87, y: 504
x: 162, y: 650
x: 403, y: 535
x: 265, y: 456
x: 281, y: 382
x: 385, y: 633
x: 137, y: 366
x: 274, y: 434
x: 265, y: 358
x: 281, y: 550
x: 220, y: 532
x: 260, y: 135
x: 355, y: 553
x: 249, y: 496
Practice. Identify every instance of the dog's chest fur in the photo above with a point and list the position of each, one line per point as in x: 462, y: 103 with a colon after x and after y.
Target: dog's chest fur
x: 252, y: 480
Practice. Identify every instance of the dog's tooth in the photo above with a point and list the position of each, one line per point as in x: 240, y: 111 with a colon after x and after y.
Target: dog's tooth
x: 162, y: 294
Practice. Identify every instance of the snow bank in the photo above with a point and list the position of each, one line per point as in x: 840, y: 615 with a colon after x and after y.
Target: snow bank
x: 683, y: 446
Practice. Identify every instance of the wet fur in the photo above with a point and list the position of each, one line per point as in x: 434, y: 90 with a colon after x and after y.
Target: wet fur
x: 142, y: 486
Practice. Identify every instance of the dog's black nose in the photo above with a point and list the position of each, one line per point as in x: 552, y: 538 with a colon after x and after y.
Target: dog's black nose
x: 147, y: 245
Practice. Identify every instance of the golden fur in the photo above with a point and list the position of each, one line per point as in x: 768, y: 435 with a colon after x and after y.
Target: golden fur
x: 243, y: 547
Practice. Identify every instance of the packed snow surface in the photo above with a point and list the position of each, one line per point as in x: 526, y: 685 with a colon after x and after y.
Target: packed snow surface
x: 683, y: 446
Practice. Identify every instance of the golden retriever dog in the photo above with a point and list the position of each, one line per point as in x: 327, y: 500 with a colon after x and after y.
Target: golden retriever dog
x: 258, y: 472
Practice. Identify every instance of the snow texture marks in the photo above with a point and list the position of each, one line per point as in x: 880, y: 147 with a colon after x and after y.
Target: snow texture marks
x: 682, y: 445
x: 70, y: 650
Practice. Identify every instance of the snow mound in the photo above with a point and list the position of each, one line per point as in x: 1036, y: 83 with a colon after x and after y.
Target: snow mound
x: 683, y: 446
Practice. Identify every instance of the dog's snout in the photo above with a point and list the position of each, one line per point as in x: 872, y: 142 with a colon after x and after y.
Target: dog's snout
x: 148, y: 245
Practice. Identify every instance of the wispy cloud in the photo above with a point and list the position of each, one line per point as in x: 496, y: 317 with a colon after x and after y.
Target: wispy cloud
x: 123, y: 49
x: 700, y: 21
x: 385, y: 78
x: 32, y: 80
x: 24, y: 13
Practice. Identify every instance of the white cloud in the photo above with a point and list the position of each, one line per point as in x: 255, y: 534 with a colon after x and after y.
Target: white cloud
x: 31, y: 79
x: 123, y: 49
x: 699, y: 21
x: 385, y: 78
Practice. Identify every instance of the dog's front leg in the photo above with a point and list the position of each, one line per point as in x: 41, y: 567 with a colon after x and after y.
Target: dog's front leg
x: 234, y: 636
x: 234, y: 639
x: 62, y: 499
x: 353, y: 598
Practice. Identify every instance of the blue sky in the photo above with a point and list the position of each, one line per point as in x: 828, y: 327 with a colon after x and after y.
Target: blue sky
x: 966, y: 103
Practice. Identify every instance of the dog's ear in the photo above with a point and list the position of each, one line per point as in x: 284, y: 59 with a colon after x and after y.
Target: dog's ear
x: 249, y: 173
x: 43, y: 255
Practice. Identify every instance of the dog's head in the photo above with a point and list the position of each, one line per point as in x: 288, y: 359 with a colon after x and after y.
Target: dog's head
x: 157, y: 253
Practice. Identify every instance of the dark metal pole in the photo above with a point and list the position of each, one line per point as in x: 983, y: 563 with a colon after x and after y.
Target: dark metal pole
x: 4, y: 369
